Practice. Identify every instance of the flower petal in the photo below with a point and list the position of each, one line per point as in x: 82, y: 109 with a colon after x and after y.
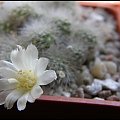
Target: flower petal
x: 21, y: 103
x: 7, y: 73
x: 30, y: 56
x: 12, y: 81
x: 41, y: 66
x: 12, y: 98
x: 17, y: 58
x: 36, y: 92
x: 4, y: 63
x: 3, y: 96
x: 31, y: 99
x: 5, y: 85
x: 31, y: 52
x: 47, y: 77
x: 24, y: 59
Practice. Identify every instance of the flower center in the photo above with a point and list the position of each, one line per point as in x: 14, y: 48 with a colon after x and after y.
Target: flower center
x: 27, y: 80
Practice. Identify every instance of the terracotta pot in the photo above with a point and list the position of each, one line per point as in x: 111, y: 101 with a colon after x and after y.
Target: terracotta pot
x: 114, y: 8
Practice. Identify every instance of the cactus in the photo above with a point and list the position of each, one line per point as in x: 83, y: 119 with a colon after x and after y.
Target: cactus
x: 17, y: 18
x: 64, y: 72
x: 63, y: 26
x: 82, y: 46
x: 43, y: 42
x: 7, y: 44
x: 59, y: 37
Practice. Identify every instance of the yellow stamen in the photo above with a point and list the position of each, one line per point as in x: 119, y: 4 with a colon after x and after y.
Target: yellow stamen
x: 27, y: 80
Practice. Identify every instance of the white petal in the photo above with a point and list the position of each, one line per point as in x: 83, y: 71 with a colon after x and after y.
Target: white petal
x: 12, y: 98
x: 41, y: 66
x: 12, y: 81
x: 21, y: 103
x: 31, y: 99
x: 36, y: 92
x: 5, y: 85
x: 31, y: 52
x: 47, y: 77
x: 7, y: 73
x: 3, y: 96
x: 7, y: 64
x: 30, y: 56
x: 17, y: 58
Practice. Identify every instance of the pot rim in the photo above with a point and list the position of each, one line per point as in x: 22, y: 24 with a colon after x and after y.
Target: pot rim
x: 62, y: 99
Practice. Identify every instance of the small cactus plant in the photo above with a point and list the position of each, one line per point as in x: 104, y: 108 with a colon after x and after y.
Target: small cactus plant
x: 59, y: 37
x: 17, y: 18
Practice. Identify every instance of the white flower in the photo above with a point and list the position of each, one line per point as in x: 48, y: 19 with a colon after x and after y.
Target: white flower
x: 22, y: 78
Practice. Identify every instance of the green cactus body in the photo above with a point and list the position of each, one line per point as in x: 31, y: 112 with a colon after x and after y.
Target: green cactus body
x: 64, y: 42
x: 63, y: 26
x: 43, y: 42
x: 17, y: 18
